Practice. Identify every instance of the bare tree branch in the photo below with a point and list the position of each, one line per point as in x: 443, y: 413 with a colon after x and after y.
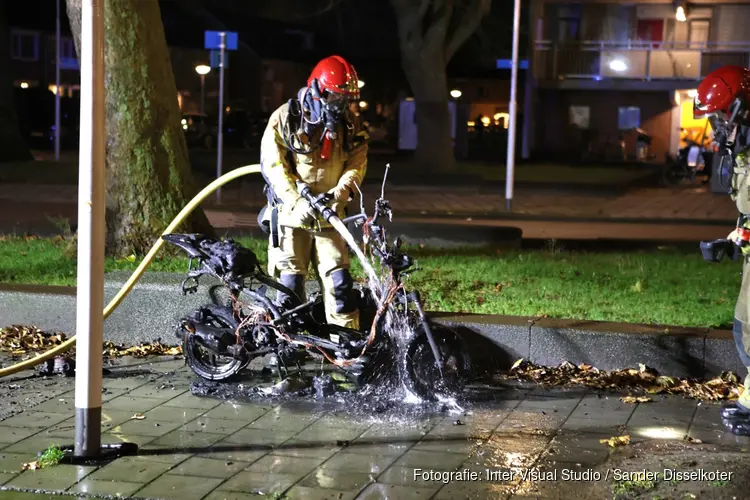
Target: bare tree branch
x: 294, y: 10
x: 466, y: 25
x: 437, y: 32
x: 410, y: 17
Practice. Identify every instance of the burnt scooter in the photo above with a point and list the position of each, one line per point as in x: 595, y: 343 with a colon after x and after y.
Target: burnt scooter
x: 219, y: 341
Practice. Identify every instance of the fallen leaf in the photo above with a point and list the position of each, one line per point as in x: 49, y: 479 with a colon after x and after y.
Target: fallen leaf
x: 516, y: 364
x: 693, y: 440
x: 130, y: 258
x: 30, y: 466
x: 616, y: 441
x: 138, y: 416
x: 636, y: 399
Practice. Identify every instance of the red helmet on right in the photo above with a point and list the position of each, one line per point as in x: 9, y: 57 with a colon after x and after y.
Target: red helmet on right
x: 720, y: 90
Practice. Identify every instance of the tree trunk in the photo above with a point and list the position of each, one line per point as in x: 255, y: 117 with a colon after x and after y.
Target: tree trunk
x: 425, y: 70
x: 12, y: 144
x: 148, y: 169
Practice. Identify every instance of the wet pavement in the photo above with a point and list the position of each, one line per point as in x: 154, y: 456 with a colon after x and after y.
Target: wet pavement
x: 241, y: 445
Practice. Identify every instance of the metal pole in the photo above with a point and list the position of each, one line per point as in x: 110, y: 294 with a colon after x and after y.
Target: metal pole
x: 203, y: 92
x: 57, y: 86
x: 220, y: 142
x: 510, y: 162
x: 91, y: 229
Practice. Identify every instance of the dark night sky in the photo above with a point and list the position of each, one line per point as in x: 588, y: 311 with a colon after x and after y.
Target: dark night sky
x: 359, y: 29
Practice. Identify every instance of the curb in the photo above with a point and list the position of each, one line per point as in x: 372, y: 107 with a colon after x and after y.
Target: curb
x: 479, y: 217
x: 154, y: 306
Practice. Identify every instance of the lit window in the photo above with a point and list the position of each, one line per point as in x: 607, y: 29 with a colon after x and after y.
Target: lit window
x: 579, y: 116
x: 628, y: 117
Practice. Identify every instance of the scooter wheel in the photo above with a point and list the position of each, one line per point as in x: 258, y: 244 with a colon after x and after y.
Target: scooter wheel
x: 206, y: 363
x: 421, y: 374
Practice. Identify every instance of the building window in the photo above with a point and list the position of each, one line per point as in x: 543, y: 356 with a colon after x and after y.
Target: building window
x: 628, y: 117
x: 68, y: 59
x: 579, y: 116
x: 67, y: 48
x: 699, y: 31
x: 567, y: 29
x: 24, y: 46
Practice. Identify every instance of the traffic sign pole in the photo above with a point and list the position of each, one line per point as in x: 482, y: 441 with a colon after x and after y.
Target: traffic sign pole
x: 220, y: 143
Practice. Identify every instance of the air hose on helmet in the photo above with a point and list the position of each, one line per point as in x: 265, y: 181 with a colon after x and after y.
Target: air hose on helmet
x: 128, y: 286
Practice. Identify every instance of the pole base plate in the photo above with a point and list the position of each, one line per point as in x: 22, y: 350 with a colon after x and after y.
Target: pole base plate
x: 107, y: 452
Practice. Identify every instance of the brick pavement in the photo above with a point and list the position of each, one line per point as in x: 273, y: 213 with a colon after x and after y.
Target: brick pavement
x: 194, y: 448
x: 696, y: 203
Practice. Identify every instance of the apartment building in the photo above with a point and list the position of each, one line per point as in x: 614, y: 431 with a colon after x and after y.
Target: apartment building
x: 601, y: 67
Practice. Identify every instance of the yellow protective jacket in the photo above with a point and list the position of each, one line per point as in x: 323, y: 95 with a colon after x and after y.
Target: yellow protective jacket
x: 282, y: 168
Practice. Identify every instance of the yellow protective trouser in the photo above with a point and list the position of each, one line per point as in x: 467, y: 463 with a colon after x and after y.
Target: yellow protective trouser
x: 328, y: 251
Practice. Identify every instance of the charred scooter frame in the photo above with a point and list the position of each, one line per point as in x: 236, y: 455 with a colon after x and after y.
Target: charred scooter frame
x: 220, y: 341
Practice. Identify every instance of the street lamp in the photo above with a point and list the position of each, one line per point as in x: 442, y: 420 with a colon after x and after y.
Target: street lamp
x: 455, y: 93
x: 360, y: 84
x: 203, y: 70
x: 680, y: 13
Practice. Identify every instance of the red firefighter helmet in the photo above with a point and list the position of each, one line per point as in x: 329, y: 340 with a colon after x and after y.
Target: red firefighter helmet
x: 336, y: 76
x: 720, y: 89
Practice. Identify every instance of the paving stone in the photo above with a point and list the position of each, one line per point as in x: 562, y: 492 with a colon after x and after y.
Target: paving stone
x: 230, y: 495
x: 336, y: 479
x: 105, y: 488
x: 378, y: 491
x: 371, y: 464
x: 141, y: 441
x: 259, y: 437
x: 307, y: 449
x: 367, y: 447
x: 342, y: 420
x: 259, y: 483
x: 181, y: 487
x: 284, y: 420
x: 20, y: 495
x: 330, y: 435
x: 6, y: 477
x: 448, y: 444
x: 196, y: 441
x: 130, y: 403
x: 234, y: 452
x: 16, y: 434
x: 430, y: 460
x: 305, y: 493
x: 214, y: 425
x: 284, y: 465
x: 241, y: 412
x: 207, y: 467
x: 173, y: 413
x: 145, y: 427
x: 11, y: 462
x: 160, y: 391
x: 187, y: 400
x: 473, y: 491
x: 57, y: 478
x: 39, y: 419
x: 58, y: 406
x: 608, y: 427
x: 135, y: 469
x: 407, y: 476
x: 34, y: 444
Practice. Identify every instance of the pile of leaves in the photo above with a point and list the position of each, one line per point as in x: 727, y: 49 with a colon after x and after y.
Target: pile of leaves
x: 20, y: 340
x: 726, y: 386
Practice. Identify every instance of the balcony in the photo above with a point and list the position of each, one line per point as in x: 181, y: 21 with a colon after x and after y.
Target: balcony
x: 644, y: 61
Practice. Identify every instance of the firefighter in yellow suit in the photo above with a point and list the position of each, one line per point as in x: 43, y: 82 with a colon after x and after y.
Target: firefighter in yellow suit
x: 314, y: 139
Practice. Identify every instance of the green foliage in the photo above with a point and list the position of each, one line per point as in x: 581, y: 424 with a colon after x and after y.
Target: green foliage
x: 676, y: 288
x: 51, y: 456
